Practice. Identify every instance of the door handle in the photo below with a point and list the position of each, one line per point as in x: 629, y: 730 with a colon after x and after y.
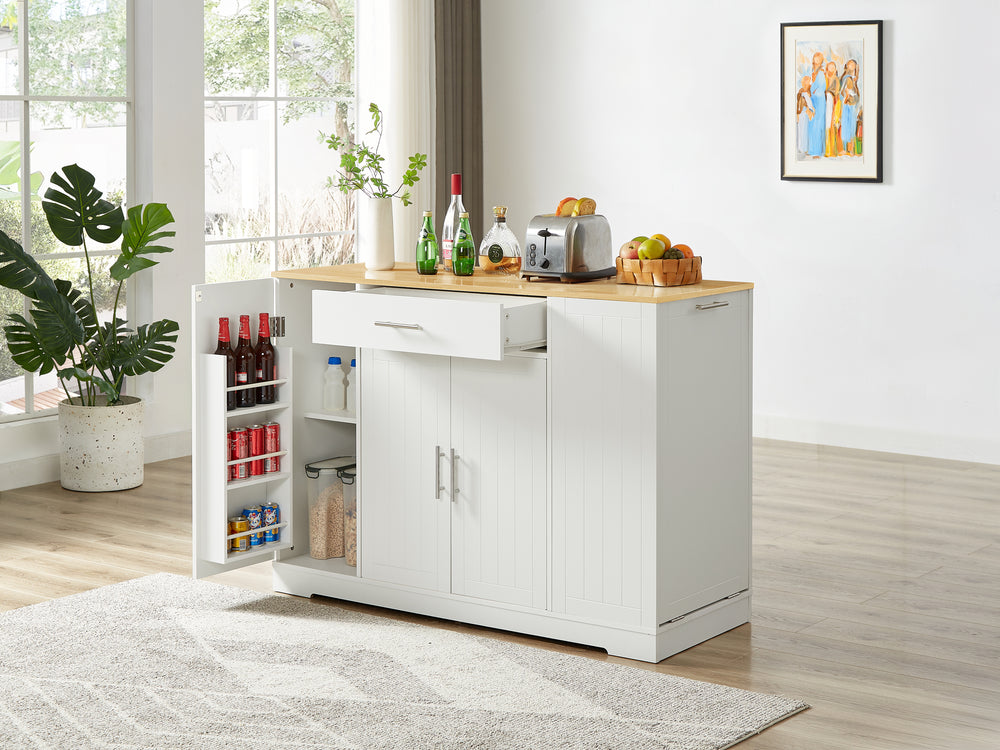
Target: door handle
x: 438, y: 455
x: 390, y: 324
x: 711, y: 306
x: 454, y: 474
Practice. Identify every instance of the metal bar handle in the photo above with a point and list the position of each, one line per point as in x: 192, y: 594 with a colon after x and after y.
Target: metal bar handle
x: 454, y: 476
x: 438, y: 454
x: 711, y: 306
x: 390, y: 324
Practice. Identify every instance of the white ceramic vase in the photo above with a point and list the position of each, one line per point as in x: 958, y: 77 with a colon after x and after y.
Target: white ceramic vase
x: 101, y: 446
x: 375, y: 238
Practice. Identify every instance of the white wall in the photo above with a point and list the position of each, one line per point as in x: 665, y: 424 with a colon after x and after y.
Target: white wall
x: 876, y: 305
x: 170, y: 169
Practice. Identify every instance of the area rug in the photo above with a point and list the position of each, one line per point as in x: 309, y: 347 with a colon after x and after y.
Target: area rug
x: 168, y: 662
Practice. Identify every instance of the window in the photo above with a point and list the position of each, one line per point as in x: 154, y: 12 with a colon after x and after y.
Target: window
x: 70, y: 104
x: 277, y: 74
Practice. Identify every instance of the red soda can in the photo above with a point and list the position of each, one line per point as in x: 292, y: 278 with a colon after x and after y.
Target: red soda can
x: 272, y: 444
x: 256, y: 433
x: 239, y: 448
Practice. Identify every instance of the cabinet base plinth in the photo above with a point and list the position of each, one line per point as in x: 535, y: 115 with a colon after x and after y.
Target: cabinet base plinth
x: 307, y: 580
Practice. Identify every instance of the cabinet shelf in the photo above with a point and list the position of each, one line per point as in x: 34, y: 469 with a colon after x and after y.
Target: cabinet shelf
x: 263, y: 551
x: 333, y: 416
x: 274, y: 476
x: 241, y: 411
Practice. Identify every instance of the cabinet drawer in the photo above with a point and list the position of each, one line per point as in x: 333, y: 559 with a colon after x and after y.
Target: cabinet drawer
x: 454, y: 324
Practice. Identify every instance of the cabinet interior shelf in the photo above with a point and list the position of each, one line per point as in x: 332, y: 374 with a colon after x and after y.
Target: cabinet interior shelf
x: 241, y: 410
x: 259, y: 479
x: 333, y: 416
x: 261, y: 551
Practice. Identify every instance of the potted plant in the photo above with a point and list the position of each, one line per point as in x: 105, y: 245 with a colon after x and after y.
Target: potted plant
x: 100, y: 427
x: 361, y: 169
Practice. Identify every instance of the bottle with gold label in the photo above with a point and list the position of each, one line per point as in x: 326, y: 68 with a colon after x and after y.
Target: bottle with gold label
x: 500, y: 251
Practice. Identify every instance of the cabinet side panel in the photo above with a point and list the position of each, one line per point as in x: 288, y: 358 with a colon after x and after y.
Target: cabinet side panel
x: 703, y: 510
x: 601, y: 428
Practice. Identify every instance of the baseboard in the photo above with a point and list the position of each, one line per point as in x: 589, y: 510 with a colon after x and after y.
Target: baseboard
x: 861, y: 437
x: 25, y: 472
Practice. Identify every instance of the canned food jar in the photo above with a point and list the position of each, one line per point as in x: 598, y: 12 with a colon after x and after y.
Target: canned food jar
x: 326, y: 507
x: 272, y: 516
x: 239, y: 525
x: 255, y: 517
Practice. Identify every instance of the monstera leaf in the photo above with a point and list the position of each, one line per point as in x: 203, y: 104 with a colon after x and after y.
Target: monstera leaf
x: 77, y: 208
x: 148, y: 349
x: 139, y: 233
x: 19, y: 271
x: 26, y: 347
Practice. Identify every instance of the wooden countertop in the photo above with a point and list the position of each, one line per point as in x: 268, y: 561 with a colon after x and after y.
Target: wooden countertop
x: 405, y: 275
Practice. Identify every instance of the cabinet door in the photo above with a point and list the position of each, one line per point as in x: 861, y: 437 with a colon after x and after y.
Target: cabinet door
x: 404, y: 519
x: 498, y: 424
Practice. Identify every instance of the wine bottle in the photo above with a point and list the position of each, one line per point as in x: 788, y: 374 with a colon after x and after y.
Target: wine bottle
x: 427, y: 247
x: 449, y: 229
x: 463, y: 253
x: 226, y: 350
x: 264, y: 360
x: 246, y: 365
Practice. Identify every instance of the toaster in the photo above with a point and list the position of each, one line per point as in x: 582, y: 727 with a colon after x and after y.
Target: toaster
x: 568, y: 248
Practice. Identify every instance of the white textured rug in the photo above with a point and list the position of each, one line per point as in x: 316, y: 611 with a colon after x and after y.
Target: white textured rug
x: 168, y: 662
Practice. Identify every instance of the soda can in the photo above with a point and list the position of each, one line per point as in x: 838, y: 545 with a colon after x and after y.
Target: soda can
x: 239, y: 448
x: 256, y: 433
x: 272, y: 516
x: 255, y: 518
x: 239, y: 525
x: 272, y: 444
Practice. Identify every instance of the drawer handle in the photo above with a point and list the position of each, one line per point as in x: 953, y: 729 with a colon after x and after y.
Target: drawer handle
x: 711, y: 306
x: 438, y: 455
x: 390, y: 324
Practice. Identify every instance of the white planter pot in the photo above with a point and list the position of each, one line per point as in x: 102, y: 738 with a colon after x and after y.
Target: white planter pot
x: 101, y: 446
x: 375, y: 238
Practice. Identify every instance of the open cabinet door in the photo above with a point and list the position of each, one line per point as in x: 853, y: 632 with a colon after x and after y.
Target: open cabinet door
x: 215, y: 498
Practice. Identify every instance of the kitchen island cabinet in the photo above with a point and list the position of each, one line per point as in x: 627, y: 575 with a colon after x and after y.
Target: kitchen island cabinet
x: 600, y: 486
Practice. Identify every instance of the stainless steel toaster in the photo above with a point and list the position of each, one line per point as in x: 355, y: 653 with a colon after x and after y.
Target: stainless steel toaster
x: 569, y: 248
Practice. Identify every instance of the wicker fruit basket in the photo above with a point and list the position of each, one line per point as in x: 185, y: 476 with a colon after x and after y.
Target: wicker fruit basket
x: 659, y: 272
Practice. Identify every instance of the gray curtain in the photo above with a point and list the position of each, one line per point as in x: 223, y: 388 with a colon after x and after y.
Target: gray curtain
x: 459, y: 108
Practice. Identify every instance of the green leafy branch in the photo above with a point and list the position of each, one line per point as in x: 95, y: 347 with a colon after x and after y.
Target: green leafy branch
x: 362, y: 168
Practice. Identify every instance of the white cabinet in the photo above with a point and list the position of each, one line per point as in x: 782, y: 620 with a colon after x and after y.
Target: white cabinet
x: 593, y: 489
x: 454, y: 484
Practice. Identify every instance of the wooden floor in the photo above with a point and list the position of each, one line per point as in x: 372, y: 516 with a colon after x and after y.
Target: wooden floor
x: 876, y: 588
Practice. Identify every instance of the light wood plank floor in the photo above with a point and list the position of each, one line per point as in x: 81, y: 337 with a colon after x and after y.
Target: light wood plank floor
x: 876, y: 588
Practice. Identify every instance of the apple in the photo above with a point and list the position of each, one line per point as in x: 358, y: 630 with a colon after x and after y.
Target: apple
x: 630, y: 249
x: 652, y: 249
x: 640, y: 238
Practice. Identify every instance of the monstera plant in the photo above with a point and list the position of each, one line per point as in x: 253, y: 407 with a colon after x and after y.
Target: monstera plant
x: 63, y: 331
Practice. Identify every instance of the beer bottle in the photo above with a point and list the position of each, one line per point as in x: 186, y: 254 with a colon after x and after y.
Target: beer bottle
x: 264, y: 360
x: 246, y: 365
x: 224, y: 349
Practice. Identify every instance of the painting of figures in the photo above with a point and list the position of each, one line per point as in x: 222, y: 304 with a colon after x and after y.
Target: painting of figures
x: 831, y: 101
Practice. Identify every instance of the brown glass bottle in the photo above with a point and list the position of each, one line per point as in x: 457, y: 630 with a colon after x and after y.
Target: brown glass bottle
x: 226, y: 350
x: 264, y: 358
x: 246, y: 366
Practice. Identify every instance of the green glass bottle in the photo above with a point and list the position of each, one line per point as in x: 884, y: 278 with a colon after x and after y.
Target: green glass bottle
x: 463, y: 252
x: 427, y: 247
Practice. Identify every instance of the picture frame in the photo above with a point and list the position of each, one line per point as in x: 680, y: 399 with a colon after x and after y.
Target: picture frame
x: 831, y: 101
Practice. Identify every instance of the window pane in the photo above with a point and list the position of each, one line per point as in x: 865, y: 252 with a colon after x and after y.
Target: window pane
x: 331, y: 250
x: 315, y: 53
x: 305, y: 204
x: 238, y: 261
x: 10, y: 82
x: 77, y: 47
x: 237, y: 38
x: 238, y: 166
x: 90, y: 134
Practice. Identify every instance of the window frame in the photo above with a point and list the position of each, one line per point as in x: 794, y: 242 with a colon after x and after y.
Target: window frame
x: 271, y: 98
x: 25, y: 99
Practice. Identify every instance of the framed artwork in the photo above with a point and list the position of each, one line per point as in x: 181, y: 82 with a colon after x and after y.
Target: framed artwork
x: 831, y: 101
